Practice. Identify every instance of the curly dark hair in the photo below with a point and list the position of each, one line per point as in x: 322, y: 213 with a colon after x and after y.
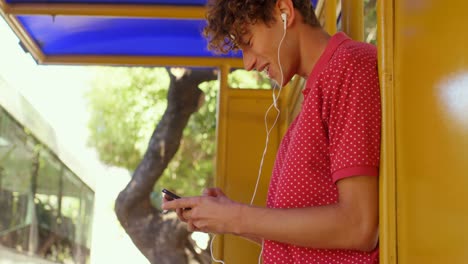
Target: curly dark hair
x: 227, y: 20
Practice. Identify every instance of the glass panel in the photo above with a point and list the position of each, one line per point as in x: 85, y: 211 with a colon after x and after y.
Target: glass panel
x: 44, y: 208
x: 47, y: 201
x: 77, y: 215
x: 16, y: 166
x: 47, y: 192
x: 71, y: 208
x: 87, y: 218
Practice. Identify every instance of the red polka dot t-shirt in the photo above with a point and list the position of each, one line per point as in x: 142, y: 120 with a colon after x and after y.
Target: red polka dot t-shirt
x: 336, y: 135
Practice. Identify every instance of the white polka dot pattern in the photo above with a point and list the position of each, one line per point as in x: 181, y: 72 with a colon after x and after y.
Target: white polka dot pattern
x: 336, y: 135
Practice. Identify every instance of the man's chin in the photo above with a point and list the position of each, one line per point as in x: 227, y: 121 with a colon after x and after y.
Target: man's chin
x: 276, y: 82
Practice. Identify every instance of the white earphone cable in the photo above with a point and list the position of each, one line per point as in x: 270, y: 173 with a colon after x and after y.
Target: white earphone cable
x: 268, y: 131
x: 275, y: 104
x: 211, y: 251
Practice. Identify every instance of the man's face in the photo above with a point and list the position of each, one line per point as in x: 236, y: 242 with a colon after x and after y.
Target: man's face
x: 260, y: 51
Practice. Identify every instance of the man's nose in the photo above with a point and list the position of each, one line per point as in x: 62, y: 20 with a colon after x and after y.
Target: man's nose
x: 249, y: 60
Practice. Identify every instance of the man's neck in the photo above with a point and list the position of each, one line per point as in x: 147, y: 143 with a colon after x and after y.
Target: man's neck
x: 312, y: 44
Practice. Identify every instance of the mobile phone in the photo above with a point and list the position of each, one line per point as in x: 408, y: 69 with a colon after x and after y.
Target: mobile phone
x: 170, y: 195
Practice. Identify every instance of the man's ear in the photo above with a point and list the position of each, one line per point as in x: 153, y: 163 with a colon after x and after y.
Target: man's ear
x: 286, y: 7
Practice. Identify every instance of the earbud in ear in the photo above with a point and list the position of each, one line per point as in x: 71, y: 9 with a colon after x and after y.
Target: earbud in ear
x: 284, y: 17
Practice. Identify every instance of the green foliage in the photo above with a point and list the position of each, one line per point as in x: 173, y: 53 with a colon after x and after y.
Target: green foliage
x: 250, y: 80
x: 192, y: 168
x: 127, y: 103
x: 370, y: 21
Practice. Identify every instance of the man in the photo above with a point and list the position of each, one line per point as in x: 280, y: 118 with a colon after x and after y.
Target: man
x: 322, y: 202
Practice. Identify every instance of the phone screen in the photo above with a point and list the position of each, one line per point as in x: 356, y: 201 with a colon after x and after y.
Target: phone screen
x: 170, y: 194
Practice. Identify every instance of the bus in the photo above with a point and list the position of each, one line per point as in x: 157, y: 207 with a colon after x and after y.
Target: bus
x: 46, y: 198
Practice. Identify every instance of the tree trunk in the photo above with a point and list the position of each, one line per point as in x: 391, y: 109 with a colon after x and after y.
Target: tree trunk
x: 163, y: 239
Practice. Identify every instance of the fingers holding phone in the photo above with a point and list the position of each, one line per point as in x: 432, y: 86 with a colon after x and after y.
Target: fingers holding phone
x: 170, y: 196
x: 213, y: 212
x: 185, y: 214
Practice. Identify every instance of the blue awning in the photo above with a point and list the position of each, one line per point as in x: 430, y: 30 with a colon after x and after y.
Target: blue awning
x: 70, y: 35
x: 131, y: 32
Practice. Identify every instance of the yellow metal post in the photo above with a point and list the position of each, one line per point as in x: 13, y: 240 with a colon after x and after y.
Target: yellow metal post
x: 387, y: 187
x: 330, y: 16
x: 221, y: 139
x: 353, y: 18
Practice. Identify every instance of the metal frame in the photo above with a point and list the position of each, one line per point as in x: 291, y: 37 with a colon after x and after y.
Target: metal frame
x: 146, y: 11
x: 22, y: 34
x: 353, y: 18
x: 221, y: 132
x: 143, y: 61
x: 330, y: 16
x: 387, y: 188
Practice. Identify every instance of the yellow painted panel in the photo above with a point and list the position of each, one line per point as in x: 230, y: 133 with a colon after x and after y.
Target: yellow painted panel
x: 431, y: 111
x: 241, y: 137
x: 244, y: 146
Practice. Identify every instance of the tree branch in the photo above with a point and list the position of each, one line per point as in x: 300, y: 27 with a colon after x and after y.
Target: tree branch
x: 133, y: 207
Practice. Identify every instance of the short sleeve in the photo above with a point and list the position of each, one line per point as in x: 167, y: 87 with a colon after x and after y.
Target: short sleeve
x: 354, y: 121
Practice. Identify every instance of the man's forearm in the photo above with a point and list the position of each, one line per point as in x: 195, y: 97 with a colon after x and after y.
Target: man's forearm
x: 316, y: 227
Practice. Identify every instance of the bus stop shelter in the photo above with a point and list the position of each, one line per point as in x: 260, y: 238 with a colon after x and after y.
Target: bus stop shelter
x: 168, y: 33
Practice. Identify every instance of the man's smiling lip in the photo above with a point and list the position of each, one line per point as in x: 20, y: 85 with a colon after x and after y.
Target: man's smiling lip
x: 265, y: 68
